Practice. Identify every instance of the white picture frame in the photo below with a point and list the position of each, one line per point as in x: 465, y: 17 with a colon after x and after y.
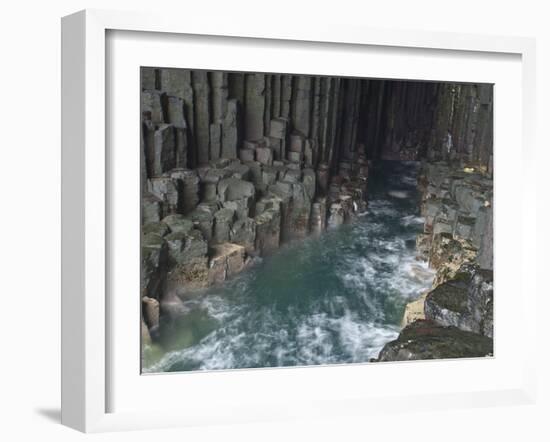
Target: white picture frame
x: 86, y: 204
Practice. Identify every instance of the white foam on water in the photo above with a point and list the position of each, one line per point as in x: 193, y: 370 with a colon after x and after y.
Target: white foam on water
x: 343, y: 323
x: 401, y: 194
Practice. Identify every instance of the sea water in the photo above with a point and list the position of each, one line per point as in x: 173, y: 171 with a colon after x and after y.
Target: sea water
x: 332, y: 299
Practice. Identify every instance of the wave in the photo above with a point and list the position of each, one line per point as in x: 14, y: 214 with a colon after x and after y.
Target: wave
x: 334, y: 299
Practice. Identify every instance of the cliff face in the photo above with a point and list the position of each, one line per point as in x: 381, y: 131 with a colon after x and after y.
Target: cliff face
x: 234, y: 164
x: 338, y: 119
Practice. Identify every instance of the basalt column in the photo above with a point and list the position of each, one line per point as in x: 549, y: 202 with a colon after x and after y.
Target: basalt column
x: 234, y: 164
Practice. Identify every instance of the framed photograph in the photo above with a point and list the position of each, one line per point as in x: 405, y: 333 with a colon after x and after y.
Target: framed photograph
x: 289, y: 223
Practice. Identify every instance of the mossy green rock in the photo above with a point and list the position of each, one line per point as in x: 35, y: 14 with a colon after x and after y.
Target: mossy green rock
x: 425, y: 339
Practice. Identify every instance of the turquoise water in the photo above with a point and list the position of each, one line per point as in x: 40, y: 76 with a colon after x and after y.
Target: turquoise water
x: 337, y: 298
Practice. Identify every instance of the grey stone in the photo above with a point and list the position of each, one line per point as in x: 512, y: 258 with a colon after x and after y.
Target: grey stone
x: 424, y: 339
x: 336, y: 215
x: 223, y: 220
x: 201, y: 91
x: 268, y: 230
x: 243, y: 232
x: 176, y: 112
x: 164, y: 149
x: 148, y: 78
x: 231, y: 189
x: 278, y: 128
x: 480, y: 302
x: 153, y: 265
x: 150, y: 308
x: 177, y: 223
x: 151, y: 209
x: 151, y: 102
x: 246, y: 155
x: 168, y: 190
x: 297, y: 142
x: 203, y: 220
x: 218, y: 80
x: 318, y: 217
x: 230, y: 132
x: 226, y: 260
x: 301, y: 104
x: 158, y: 228
x: 464, y: 227
x: 447, y: 305
x: 215, y: 141
x: 295, y: 157
x: 309, y: 181
x: 264, y: 155
x: 254, y: 106
x: 239, y: 170
x: 190, y: 188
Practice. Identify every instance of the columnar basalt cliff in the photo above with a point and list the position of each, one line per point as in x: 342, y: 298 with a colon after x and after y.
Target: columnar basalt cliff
x: 235, y: 164
x: 455, y: 318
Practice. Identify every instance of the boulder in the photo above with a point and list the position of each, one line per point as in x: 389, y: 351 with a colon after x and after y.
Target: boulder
x: 425, y: 339
x: 447, y: 305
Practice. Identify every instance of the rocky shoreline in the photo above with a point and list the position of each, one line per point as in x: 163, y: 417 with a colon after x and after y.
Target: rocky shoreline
x: 232, y: 169
x: 455, y: 318
x: 234, y: 165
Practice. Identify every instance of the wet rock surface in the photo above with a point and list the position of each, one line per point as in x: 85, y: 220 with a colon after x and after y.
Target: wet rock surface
x: 455, y: 318
x: 234, y: 165
x: 429, y: 340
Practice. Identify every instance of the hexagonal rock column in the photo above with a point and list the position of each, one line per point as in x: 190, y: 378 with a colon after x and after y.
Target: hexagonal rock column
x: 268, y: 231
x: 254, y: 107
x: 226, y: 260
